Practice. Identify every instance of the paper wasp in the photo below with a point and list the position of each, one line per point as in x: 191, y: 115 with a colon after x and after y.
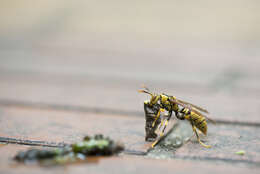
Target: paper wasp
x: 189, y: 112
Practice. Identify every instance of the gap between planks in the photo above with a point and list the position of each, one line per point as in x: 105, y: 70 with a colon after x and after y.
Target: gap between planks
x: 99, y: 110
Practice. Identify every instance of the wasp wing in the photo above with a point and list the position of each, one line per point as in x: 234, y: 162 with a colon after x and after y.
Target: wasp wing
x: 199, y: 113
x: 194, y: 106
x: 190, y: 107
x: 175, y: 101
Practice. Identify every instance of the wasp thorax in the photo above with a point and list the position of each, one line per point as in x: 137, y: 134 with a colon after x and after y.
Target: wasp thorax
x: 173, y: 97
x: 185, y: 110
x: 164, y: 98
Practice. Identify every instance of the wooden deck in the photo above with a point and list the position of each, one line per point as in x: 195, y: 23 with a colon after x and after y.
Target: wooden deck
x: 68, y: 69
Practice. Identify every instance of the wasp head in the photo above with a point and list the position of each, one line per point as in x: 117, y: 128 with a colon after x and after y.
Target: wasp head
x: 154, y: 97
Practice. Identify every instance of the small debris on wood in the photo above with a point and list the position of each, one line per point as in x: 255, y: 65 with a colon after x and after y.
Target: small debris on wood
x: 90, y: 146
x: 240, y: 152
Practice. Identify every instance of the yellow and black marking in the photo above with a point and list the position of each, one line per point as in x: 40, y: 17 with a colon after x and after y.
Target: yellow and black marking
x: 157, y: 116
x: 189, y: 112
x: 196, y: 121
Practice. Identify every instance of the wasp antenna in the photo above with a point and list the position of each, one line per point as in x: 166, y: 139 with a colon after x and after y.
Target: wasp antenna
x: 144, y: 91
x: 143, y: 86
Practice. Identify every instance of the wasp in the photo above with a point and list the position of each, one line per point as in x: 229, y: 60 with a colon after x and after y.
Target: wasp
x: 189, y: 112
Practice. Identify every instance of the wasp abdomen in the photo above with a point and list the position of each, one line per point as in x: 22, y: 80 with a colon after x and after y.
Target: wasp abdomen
x: 199, y: 122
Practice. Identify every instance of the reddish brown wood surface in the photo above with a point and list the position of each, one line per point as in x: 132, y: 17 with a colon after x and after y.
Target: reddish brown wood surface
x: 68, y: 69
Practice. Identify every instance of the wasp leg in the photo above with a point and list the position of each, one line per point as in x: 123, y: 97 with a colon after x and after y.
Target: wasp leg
x: 157, y: 116
x: 162, y: 123
x: 165, y: 125
x: 187, y: 140
x: 161, y: 134
x: 154, y: 143
x: 198, y: 138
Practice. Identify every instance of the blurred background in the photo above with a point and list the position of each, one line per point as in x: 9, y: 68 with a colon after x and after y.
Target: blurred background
x: 97, y: 54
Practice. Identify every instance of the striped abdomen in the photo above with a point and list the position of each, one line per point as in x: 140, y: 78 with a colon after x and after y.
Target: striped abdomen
x: 198, y: 121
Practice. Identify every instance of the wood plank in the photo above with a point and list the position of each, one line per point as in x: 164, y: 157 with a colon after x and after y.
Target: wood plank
x: 68, y: 127
x: 120, y: 96
x: 225, y: 140
x: 119, y: 164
